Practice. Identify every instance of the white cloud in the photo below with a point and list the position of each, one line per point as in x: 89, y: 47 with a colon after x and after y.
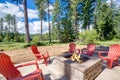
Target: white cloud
x: 34, y: 26
x: 32, y: 13
x: 50, y: 8
x: 8, y: 8
x: 116, y: 2
x: 21, y: 27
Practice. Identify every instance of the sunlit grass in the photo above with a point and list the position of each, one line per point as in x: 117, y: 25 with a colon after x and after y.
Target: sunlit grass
x: 108, y: 43
x: 101, y: 43
x: 17, y: 45
x: 11, y: 45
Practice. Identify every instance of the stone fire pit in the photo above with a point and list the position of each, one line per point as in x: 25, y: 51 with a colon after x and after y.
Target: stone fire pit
x: 87, y: 70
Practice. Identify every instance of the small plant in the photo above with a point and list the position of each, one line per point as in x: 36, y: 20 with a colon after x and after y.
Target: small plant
x: 88, y: 36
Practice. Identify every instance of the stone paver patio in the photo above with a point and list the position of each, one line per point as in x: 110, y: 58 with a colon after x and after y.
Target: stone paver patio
x: 51, y: 73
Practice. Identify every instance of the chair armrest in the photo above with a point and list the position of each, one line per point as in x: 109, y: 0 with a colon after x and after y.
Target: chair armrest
x: 42, y: 55
x: 43, y: 52
x: 102, y: 52
x: 78, y: 50
x: 38, y: 54
x: 84, y: 50
x: 27, y: 64
x: 101, y: 56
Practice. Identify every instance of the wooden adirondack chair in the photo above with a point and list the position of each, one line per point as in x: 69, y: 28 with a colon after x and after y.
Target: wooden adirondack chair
x: 72, y: 48
x: 10, y: 72
x: 40, y: 55
x: 113, y: 53
x: 89, y: 50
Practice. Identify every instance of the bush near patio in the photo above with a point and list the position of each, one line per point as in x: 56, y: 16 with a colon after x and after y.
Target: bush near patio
x: 88, y: 36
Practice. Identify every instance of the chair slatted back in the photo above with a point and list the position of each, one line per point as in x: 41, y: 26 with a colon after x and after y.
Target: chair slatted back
x: 72, y: 47
x: 7, y: 69
x: 35, y: 51
x: 90, y: 48
x: 114, y: 50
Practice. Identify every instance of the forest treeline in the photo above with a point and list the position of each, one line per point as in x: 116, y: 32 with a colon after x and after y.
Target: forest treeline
x: 72, y: 20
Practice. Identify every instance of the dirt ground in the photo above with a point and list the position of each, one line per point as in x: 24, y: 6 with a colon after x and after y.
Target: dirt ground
x: 24, y: 55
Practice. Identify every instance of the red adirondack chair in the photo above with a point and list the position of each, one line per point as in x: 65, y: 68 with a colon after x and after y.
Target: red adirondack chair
x: 40, y: 55
x: 10, y: 72
x: 89, y: 50
x: 72, y: 48
x: 113, y: 53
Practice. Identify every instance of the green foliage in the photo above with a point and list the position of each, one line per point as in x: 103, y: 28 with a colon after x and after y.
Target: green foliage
x: 117, y: 24
x: 87, y: 13
x: 35, y: 40
x: 88, y: 36
x: 1, y: 38
x: 21, y: 38
x: 56, y: 20
x: 67, y: 32
x: 55, y: 33
x: 105, y: 23
x: 75, y: 16
x: 8, y: 32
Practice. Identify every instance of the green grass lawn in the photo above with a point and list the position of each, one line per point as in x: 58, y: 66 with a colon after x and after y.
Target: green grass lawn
x: 101, y: 43
x: 11, y: 45
x: 17, y: 45
x: 108, y: 43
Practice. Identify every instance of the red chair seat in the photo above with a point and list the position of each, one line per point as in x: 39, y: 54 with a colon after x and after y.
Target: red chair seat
x: 113, y: 54
x: 10, y: 72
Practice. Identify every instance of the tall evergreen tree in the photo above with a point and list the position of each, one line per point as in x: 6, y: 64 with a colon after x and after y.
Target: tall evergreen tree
x: 87, y: 11
x: 49, y: 26
x: 25, y: 18
x: 8, y: 20
x: 41, y: 8
x: 105, y: 24
x: 56, y: 18
x: 74, y: 15
x: 15, y: 30
x: 1, y: 29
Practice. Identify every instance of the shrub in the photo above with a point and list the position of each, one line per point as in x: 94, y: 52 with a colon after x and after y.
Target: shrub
x: 36, y: 41
x: 88, y: 36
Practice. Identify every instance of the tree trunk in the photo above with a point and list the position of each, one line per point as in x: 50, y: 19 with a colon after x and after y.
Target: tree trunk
x: 1, y: 27
x: 75, y: 24
x: 49, y: 22
x: 59, y: 33
x: 41, y: 28
x: 26, y: 22
x: 111, y: 3
x: 69, y: 5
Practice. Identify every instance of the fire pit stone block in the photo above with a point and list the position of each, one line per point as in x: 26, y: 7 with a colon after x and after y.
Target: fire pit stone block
x: 88, y: 70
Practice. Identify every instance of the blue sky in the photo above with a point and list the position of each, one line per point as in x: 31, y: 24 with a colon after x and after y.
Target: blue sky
x: 9, y: 7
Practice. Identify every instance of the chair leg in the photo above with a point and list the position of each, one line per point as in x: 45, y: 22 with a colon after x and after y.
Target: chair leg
x: 110, y: 62
x: 116, y: 62
x: 49, y: 58
x: 45, y: 62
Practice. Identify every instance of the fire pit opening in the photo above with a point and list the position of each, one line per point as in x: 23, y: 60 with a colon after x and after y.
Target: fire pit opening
x: 78, y: 58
